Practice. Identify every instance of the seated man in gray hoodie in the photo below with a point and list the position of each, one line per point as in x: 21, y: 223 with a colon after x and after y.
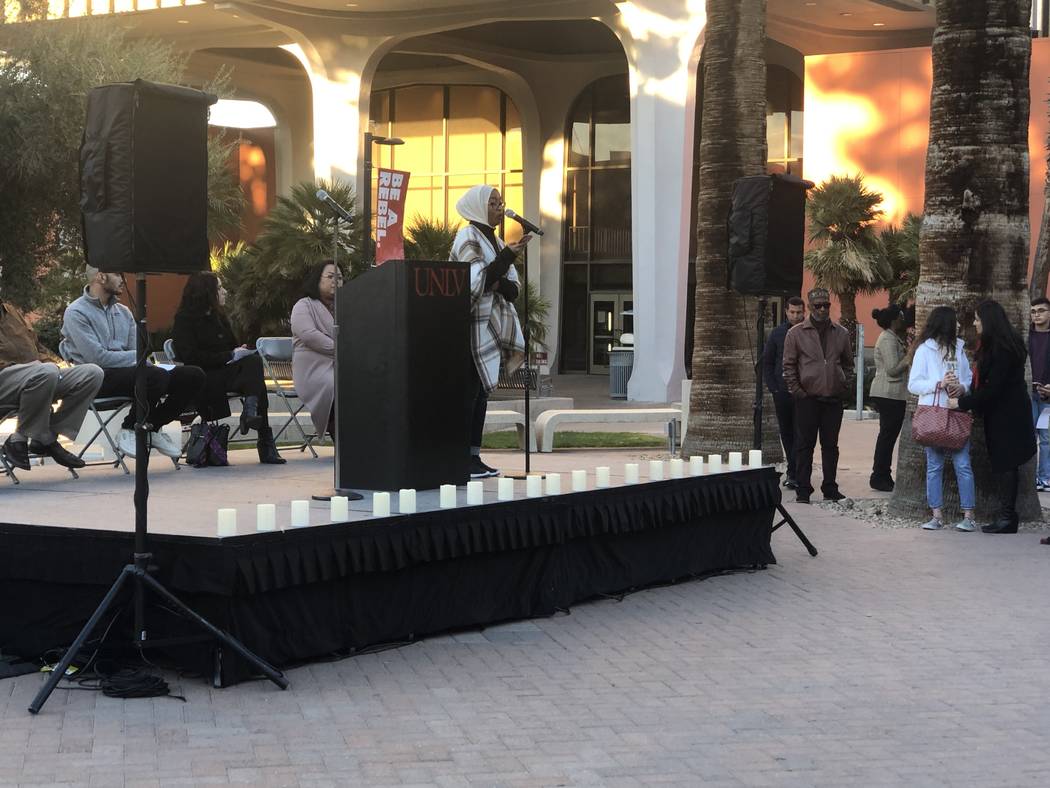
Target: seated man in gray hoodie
x: 98, y: 329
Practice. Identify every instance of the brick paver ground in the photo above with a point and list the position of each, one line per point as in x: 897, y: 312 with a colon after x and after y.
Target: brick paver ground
x: 896, y: 657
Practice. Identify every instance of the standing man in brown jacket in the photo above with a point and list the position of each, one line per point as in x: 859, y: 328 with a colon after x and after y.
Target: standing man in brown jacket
x: 817, y: 361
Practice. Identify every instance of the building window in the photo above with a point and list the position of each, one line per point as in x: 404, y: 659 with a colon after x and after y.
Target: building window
x: 598, y: 176
x: 783, y: 121
x: 597, y: 272
x: 456, y: 136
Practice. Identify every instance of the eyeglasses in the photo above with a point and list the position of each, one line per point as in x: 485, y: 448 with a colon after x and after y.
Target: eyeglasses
x: 1040, y: 311
x: 337, y: 277
x: 819, y: 307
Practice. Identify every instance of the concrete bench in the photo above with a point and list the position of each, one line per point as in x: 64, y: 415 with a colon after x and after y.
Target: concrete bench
x: 550, y: 420
x: 499, y: 418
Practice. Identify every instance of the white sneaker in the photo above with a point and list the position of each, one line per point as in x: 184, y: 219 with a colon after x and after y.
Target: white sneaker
x: 126, y: 443
x: 966, y: 524
x: 933, y: 525
x: 165, y: 444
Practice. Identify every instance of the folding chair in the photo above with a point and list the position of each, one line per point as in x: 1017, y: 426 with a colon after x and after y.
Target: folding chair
x: 5, y: 464
x: 111, y: 407
x: 276, y: 356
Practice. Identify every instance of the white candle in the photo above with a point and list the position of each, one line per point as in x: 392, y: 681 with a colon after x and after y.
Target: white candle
x: 656, y: 470
x: 381, y: 504
x: 630, y: 473
x: 677, y: 468
x: 601, y: 477
x: 579, y: 481
x: 736, y: 460
x: 754, y: 458
x: 505, y: 489
x: 533, y: 485
x: 406, y: 501
x: 475, y: 493
x: 553, y: 484
x: 300, y: 513
x: 696, y: 466
x: 714, y: 463
x: 340, y: 511
x: 447, y: 499
x: 265, y: 517
x: 227, y: 522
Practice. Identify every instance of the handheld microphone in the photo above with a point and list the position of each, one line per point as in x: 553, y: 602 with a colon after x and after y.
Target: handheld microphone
x: 336, y: 208
x: 526, y: 225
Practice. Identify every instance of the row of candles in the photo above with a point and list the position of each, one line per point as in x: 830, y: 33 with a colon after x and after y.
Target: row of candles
x: 536, y: 486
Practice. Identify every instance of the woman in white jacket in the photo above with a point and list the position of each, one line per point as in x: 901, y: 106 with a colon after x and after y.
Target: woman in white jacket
x: 941, y: 370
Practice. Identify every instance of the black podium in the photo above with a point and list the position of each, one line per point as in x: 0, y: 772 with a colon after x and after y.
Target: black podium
x: 402, y: 350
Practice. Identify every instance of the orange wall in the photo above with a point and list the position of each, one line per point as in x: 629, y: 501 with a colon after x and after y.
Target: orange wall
x: 869, y: 113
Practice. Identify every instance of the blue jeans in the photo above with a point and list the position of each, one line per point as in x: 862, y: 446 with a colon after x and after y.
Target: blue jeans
x: 1042, y: 473
x: 963, y: 473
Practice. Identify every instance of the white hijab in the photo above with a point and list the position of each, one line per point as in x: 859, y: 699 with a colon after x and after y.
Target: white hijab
x: 474, y: 205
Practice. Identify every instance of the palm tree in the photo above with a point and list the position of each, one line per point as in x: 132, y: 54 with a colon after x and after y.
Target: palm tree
x: 264, y: 279
x: 848, y: 257
x: 732, y: 146
x: 975, y: 234
x: 901, y: 245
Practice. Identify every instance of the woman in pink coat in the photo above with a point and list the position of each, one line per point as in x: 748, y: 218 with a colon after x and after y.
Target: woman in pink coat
x: 313, y: 359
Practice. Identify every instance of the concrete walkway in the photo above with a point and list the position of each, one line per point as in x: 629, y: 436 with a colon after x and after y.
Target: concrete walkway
x: 896, y: 657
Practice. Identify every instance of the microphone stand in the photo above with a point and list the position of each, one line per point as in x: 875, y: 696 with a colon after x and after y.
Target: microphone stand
x: 528, y: 354
x: 350, y: 495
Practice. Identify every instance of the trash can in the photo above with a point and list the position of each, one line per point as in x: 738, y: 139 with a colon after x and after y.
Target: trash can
x: 621, y: 362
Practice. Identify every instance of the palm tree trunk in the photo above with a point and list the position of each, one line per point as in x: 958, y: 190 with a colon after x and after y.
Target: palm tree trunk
x: 848, y: 314
x: 975, y: 235
x: 732, y: 146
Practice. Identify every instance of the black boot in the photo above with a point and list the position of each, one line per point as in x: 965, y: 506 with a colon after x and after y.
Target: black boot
x: 267, y: 448
x: 1006, y: 520
x: 251, y: 419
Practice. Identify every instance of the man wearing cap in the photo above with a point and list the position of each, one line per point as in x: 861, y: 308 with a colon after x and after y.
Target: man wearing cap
x: 818, y: 360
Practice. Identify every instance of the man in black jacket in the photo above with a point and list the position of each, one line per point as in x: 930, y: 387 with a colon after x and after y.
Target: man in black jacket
x: 773, y: 375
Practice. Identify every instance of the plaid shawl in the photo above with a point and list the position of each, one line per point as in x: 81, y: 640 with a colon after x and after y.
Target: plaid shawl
x: 495, y: 335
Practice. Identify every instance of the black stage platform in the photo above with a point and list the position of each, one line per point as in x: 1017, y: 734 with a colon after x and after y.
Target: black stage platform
x: 310, y: 592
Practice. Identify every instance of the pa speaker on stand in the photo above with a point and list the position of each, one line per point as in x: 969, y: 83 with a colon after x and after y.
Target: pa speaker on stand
x: 144, y: 202
x: 767, y: 234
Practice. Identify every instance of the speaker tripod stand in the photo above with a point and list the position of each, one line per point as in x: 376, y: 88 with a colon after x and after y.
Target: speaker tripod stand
x: 138, y: 571
x: 760, y: 342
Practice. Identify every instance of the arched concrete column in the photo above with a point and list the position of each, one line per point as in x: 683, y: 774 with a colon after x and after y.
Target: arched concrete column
x: 339, y: 66
x: 662, y: 42
x: 284, y: 92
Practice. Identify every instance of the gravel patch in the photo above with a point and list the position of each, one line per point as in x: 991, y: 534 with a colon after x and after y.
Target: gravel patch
x: 874, y: 511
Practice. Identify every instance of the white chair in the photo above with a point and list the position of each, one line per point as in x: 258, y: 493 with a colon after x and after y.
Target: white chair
x: 276, y: 356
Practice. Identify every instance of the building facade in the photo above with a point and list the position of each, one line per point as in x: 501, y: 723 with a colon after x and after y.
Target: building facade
x: 583, y: 112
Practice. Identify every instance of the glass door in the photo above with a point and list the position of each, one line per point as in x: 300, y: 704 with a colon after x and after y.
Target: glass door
x: 607, y: 322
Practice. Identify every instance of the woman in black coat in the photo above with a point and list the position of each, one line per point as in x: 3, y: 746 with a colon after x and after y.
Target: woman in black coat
x: 204, y: 338
x: 999, y: 393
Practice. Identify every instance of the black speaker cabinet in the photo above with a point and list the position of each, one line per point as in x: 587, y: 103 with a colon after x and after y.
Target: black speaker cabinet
x: 144, y: 178
x: 767, y: 232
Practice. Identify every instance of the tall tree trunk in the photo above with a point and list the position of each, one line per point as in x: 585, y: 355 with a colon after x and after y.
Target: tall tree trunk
x: 732, y: 146
x: 975, y: 235
x: 848, y: 314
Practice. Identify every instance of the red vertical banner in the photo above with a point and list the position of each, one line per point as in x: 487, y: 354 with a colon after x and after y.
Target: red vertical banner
x: 390, y: 215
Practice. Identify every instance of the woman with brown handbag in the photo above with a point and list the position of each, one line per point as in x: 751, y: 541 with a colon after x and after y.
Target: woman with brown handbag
x: 941, y: 370
x: 1000, y: 395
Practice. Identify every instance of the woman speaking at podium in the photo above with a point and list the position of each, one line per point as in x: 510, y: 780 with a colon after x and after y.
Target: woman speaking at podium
x: 495, y: 332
